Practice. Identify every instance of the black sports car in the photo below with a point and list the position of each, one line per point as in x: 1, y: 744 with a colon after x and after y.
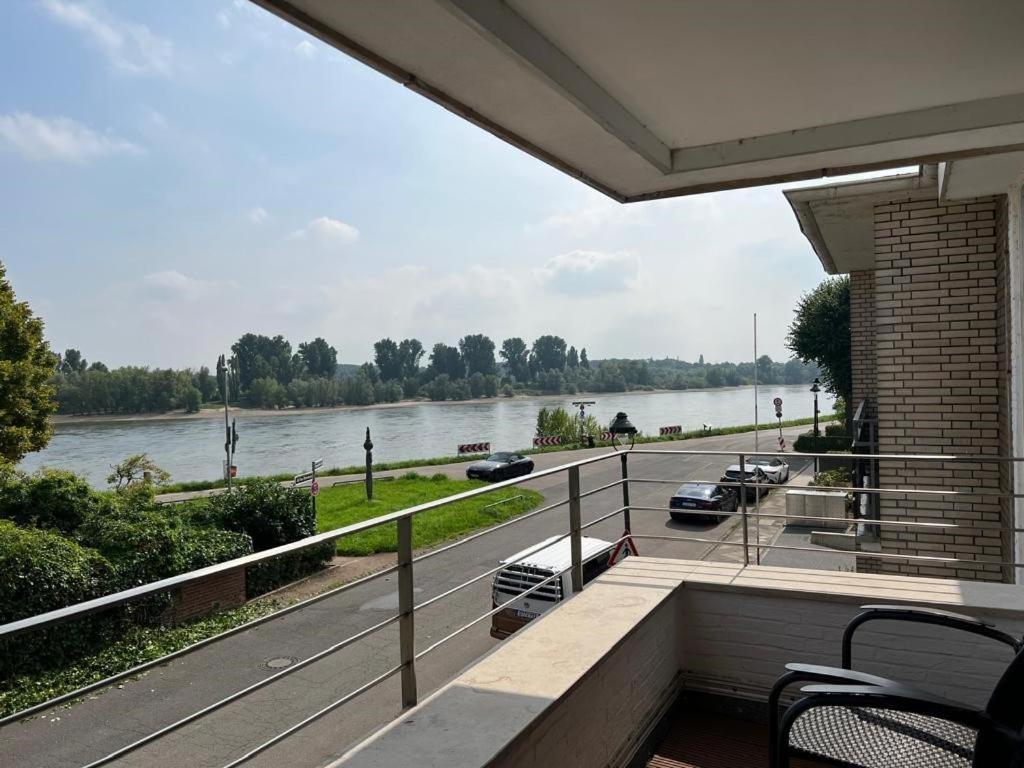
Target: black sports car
x: 692, y: 499
x: 500, y: 466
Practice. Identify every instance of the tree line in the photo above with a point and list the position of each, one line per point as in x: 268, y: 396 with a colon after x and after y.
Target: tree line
x: 265, y: 372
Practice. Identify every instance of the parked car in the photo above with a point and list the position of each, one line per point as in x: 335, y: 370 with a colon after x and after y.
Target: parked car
x: 532, y: 566
x: 500, y: 466
x: 702, y: 497
x: 752, y: 474
x: 775, y: 468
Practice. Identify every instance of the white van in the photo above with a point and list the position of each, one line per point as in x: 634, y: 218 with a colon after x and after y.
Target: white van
x: 530, y: 567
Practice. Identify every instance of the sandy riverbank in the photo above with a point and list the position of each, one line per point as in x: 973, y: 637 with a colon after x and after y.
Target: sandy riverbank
x: 218, y: 413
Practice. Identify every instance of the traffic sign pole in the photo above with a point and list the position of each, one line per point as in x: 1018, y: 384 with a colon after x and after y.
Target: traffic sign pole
x: 778, y: 415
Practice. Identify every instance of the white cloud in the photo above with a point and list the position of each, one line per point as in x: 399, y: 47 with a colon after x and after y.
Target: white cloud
x: 224, y: 18
x: 590, y: 272
x: 258, y: 215
x: 130, y: 47
x: 59, y: 138
x: 171, y: 285
x: 305, y: 49
x: 599, y: 214
x: 327, y: 231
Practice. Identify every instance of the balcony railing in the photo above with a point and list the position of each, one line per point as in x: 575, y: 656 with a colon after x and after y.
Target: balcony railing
x: 407, y: 656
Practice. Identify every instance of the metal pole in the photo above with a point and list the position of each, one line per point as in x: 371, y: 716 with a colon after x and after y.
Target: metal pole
x: 625, y: 492
x: 368, y: 447
x: 757, y: 447
x: 743, y: 501
x: 406, y: 617
x: 227, y: 429
x: 575, y: 540
x: 312, y: 483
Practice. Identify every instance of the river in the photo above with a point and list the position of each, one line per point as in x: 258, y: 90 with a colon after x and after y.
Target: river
x: 193, y: 449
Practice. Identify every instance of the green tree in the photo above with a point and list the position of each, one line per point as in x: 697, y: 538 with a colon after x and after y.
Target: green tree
x: 389, y: 361
x: 766, y: 371
x: 318, y: 357
x: 584, y: 361
x: 572, y: 358
x: 72, y: 362
x: 478, y: 354
x: 26, y: 364
x: 136, y: 470
x: 410, y: 351
x: 548, y: 353
x: 701, y: 360
x: 439, y: 388
x: 516, y: 356
x: 205, y: 383
x: 476, y: 384
x: 261, y: 357
x: 445, y: 359
x: 98, y: 366
x: 192, y: 399
x: 820, y: 333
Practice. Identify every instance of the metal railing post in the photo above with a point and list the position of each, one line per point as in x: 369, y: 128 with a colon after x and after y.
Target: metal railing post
x: 406, y: 620
x: 743, y: 502
x: 625, y: 492
x: 575, y: 539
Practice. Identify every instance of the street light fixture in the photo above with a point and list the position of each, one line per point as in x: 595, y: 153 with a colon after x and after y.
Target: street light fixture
x: 622, y: 426
x: 816, y: 388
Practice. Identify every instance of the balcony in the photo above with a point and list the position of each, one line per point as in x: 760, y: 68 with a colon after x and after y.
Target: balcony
x: 664, y: 659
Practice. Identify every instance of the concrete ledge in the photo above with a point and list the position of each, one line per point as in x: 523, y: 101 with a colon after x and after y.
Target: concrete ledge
x: 801, y: 504
x: 835, y: 540
x: 582, y: 685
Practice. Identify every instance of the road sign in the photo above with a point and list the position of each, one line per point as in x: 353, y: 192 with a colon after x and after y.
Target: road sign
x: 465, y: 448
x: 624, y: 548
x: 318, y: 463
x: 778, y: 402
x: 314, y: 489
x: 539, y: 441
x: 674, y: 430
x: 302, y: 478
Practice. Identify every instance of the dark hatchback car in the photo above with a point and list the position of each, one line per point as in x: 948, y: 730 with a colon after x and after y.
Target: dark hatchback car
x: 692, y: 499
x: 500, y: 466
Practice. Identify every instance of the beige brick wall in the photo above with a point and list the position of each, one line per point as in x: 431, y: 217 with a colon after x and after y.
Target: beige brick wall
x: 941, y: 370
x: 862, y: 339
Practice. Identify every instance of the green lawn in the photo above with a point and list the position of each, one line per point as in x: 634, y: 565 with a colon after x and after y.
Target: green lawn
x: 346, y: 504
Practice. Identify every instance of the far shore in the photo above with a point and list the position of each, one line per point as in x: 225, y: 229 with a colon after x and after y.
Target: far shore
x: 218, y: 413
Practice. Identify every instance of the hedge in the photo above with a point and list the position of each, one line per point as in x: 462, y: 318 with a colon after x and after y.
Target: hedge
x: 51, y: 499
x: 808, y: 443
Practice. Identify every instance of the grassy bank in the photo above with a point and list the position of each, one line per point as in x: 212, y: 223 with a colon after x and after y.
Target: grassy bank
x: 202, y: 485
x: 347, y: 504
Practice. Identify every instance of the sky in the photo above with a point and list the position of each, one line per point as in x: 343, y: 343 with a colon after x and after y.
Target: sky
x: 177, y: 174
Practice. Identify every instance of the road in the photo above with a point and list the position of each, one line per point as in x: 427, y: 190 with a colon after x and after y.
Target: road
x: 73, y: 737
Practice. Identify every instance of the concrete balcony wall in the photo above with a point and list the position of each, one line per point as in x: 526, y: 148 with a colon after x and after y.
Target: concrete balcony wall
x: 582, y: 685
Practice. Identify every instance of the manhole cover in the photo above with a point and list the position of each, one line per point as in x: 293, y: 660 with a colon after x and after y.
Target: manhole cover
x: 280, y: 662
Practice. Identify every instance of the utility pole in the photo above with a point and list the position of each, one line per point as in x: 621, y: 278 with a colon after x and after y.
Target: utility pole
x: 227, y: 428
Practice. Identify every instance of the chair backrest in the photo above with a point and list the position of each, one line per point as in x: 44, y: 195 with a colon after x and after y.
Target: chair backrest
x: 1005, y: 707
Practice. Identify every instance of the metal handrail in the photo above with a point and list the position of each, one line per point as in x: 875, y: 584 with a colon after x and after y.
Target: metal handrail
x: 408, y: 608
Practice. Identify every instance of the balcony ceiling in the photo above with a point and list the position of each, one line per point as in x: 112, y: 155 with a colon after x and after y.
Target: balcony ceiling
x: 670, y: 97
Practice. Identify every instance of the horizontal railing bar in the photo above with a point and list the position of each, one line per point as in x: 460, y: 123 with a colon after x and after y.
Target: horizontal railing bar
x: 600, y: 488
x: 501, y: 607
x: 602, y: 518
x: 86, y: 689
x: 861, y: 553
x: 970, y: 458
x: 67, y: 613
x: 844, y: 489
x: 491, y: 529
x: 210, y: 708
x: 313, y: 718
x: 849, y: 520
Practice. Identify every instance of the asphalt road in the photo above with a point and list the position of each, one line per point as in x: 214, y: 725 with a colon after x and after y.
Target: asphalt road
x: 73, y: 737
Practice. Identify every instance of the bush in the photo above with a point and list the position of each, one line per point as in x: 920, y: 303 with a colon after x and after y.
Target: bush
x: 50, y: 498
x: 270, y: 513
x: 808, y: 443
x: 834, y: 478
x: 44, y: 571
x: 836, y: 430
x: 149, y: 546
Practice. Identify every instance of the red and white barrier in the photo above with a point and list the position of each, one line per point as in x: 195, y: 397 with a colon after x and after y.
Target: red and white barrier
x: 539, y: 441
x: 474, y: 448
x: 605, y: 436
x: 677, y: 430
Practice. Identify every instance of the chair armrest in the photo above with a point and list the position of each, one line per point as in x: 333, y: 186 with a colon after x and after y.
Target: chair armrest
x: 922, y: 616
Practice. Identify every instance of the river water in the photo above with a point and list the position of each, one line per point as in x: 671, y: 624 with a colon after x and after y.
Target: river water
x: 193, y: 449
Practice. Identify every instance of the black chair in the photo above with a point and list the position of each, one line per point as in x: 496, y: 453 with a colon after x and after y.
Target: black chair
x: 856, y: 720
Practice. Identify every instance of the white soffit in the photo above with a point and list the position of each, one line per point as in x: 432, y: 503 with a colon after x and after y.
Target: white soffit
x: 980, y: 176
x: 667, y: 97
x: 838, y: 219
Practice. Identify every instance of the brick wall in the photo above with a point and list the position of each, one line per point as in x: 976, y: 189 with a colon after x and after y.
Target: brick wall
x: 207, y: 596
x: 862, y: 339
x: 941, y: 369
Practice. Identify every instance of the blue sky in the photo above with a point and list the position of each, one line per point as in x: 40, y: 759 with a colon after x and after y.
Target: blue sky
x: 177, y: 174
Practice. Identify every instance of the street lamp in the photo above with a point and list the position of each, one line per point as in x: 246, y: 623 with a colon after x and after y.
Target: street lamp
x: 816, y: 388
x: 622, y: 426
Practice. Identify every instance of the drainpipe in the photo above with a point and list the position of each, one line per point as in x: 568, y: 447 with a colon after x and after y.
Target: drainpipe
x: 1015, y: 272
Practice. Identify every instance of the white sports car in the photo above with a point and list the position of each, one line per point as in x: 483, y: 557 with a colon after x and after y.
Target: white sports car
x: 775, y: 469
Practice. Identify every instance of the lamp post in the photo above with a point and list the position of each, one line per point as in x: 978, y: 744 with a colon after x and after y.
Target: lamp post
x: 368, y: 447
x: 816, y: 388
x: 622, y: 426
